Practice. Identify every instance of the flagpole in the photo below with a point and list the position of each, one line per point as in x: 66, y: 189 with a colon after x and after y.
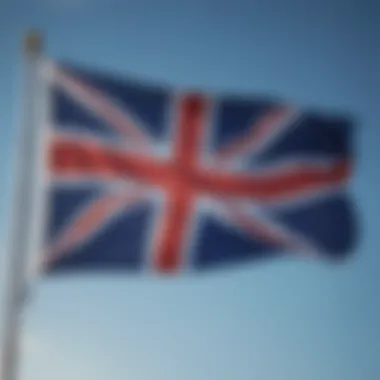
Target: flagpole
x: 21, y: 211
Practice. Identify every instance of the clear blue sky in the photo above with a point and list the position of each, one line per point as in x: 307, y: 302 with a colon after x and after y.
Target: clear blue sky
x: 277, y: 321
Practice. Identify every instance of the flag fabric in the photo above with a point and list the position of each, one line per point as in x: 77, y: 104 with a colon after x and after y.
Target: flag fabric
x: 143, y: 177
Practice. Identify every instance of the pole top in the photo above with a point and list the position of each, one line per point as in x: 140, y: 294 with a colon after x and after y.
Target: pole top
x: 33, y: 43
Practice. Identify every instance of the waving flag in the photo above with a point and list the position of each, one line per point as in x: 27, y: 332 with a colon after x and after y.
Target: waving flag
x: 142, y: 177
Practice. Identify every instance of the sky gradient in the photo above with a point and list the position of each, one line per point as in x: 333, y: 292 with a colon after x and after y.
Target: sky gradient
x: 281, y: 320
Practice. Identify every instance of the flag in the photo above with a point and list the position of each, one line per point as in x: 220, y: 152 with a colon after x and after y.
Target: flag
x: 143, y: 177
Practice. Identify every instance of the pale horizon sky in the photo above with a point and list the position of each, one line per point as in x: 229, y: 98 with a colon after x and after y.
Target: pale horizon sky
x: 282, y: 320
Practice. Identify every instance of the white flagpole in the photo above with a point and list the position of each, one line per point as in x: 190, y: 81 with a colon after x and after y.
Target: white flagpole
x: 22, y: 211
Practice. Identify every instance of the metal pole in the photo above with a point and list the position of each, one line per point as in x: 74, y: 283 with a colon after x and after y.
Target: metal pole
x: 21, y: 211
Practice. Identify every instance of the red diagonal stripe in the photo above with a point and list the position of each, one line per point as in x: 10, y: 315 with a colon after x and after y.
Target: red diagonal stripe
x: 256, y: 136
x: 264, y: 229
x: 88, y: 221
x: 100, y: 105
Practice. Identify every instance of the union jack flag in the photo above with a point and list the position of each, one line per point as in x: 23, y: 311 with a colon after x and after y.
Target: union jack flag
x: 149, y: 177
